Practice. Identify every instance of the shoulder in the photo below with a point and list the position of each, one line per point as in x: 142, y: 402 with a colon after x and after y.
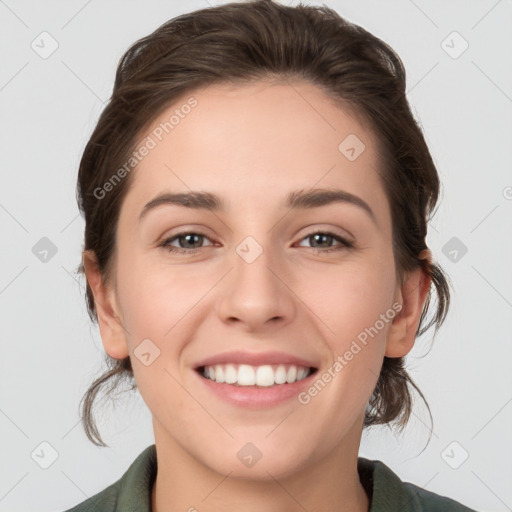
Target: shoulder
x: 106, y: 501
x: 131, y: 492
x: 432, y: 502
x: 390, y: 493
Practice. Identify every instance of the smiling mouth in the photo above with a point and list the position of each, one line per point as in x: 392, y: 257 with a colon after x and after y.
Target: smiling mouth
x: 244, y: 375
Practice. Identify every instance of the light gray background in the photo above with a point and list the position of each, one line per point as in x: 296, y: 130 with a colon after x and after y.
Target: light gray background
x: 49, y: 351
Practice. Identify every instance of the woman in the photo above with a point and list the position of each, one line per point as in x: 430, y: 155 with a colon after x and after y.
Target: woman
x: 256, y: 197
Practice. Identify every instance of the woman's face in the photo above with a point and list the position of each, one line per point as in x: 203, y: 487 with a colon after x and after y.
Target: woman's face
x: 251, y: 278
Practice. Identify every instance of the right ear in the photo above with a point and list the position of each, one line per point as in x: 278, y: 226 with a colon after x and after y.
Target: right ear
x: 112, y: 331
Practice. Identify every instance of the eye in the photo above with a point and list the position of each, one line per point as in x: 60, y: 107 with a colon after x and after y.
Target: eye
x: 190, y: 242
x: 186, y: 240
x: 325, y: 238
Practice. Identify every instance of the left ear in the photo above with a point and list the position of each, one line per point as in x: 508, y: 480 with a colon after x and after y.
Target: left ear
x: 412, y: 295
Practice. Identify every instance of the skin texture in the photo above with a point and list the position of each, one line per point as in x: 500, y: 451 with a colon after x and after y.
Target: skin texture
x: 252, y: 145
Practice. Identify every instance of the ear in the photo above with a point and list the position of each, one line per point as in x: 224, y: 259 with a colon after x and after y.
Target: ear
x: 111, y: 328
x: 411, y: 295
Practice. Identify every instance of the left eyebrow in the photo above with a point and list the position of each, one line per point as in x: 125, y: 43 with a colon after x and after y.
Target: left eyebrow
x: 299, y: 199
x: 320, y: 197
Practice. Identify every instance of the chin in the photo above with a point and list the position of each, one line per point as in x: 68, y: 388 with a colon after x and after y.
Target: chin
x: 251, y: 463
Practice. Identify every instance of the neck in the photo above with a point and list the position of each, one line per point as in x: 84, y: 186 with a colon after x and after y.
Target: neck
x: 183, y: 483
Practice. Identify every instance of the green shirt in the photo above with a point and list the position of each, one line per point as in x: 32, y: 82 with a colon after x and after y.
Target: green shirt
x: 132, y: 492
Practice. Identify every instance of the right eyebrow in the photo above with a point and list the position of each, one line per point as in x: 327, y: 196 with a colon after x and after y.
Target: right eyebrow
x: 196, y: 200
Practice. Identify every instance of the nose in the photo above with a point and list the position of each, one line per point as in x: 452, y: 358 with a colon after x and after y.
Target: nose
x: 256, y: 294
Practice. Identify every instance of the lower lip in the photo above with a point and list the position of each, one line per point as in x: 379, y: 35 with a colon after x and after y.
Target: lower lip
x: 256, y: 397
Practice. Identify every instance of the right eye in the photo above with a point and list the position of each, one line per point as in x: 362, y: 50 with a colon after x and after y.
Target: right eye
x: 188, y: 238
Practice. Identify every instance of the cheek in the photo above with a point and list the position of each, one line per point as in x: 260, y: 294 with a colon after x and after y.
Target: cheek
x: 349, y: 298
x: 161, y: 304
x: 153, y: 297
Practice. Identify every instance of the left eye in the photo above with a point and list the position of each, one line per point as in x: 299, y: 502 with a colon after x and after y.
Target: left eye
x: 188, y: 240
x: 319, y: 236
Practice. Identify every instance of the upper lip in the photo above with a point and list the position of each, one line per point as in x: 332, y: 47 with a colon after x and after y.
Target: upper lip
x: 255, y: 359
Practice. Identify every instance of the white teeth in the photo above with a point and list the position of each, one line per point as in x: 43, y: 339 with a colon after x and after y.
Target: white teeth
x: 219, y: 373
x: 247, y: 375
x: 280, y: 375
x: 301, y: 373
x: 264, y: 376
x: 230, y: 374
x: 291, y: 376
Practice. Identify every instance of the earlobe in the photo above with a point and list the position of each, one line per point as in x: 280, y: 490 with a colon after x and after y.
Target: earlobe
x: 110, y: 325
x: 412, y: 296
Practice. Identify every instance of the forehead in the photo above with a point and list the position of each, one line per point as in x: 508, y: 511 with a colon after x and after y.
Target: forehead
x: 261, y: 139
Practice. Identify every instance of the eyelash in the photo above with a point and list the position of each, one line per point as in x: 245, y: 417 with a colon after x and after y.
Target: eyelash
x: 345, y: 244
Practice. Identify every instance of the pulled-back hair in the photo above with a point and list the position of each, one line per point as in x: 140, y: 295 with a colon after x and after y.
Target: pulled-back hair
x: 242, y: 43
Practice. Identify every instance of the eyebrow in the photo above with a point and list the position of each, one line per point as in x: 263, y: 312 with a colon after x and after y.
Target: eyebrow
x: 299, y: 199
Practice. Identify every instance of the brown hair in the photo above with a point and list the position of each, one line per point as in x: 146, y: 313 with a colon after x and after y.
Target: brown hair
x: 243, y: 42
